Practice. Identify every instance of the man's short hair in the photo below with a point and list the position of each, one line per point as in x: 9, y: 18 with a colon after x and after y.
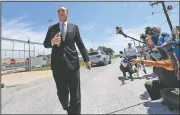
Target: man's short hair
x: 61, y: 7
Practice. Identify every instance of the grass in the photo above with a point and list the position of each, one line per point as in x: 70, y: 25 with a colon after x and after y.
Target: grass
x: 41, y: 69
x: 81, y: 64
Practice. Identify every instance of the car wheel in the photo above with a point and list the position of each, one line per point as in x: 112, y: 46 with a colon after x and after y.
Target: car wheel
x: 110, y: 62
x: 104, y: 63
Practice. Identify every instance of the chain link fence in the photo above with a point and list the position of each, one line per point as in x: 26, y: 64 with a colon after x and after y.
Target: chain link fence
x: 19, y: 55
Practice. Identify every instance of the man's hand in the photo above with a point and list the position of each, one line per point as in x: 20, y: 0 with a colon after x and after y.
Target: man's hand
x: 88, y: 65
x: 56, y: 40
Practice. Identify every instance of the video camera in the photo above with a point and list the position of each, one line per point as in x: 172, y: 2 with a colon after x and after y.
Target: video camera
x: 152, y: 31
x: 148, y: 30
x: 143, y: 36
x: 119, y: 30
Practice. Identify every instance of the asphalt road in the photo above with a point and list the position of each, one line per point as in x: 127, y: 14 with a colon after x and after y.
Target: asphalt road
x: 102, y: 93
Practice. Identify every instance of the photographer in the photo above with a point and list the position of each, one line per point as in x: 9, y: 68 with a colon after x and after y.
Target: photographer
x: 176, y: 33
x: 166, y: 74
x: 165, y: 42
x: 171, y: 95
x: 152, y: 35
x: 176, y: 42
x: 161, y: 62
x: 125, y: 66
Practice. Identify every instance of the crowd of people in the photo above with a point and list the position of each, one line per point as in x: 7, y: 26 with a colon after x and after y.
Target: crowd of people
x: 164, y: 51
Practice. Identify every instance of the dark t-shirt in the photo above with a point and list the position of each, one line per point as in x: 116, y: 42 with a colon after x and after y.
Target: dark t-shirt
x: 168, y: 78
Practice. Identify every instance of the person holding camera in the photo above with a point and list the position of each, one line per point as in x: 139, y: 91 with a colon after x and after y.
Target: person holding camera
x: 165, y: 43
x: 166, y: 75
x: 176, y: 42
x: 126, y: 66
x: 155, y: 38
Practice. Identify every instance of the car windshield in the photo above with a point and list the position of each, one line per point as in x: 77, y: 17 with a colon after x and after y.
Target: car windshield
x: 93, y: 53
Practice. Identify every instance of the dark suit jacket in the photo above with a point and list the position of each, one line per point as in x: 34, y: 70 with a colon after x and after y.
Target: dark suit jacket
x: 67, y: 49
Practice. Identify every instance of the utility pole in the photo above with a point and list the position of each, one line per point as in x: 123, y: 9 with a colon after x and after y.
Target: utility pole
x: 167, y: 16
x: 165, y: 12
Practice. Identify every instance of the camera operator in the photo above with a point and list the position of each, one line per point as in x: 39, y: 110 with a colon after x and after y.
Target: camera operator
x: 176, y: 33
x: 171, y: 95
x: 161, y: 62
x: 163, y: 40
x: 166, y: 75
x: 125, y: 66
x: 152, y: 36
x: 165, y: 43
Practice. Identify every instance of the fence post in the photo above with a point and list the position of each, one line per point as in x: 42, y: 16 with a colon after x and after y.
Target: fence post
x: 29, y: 55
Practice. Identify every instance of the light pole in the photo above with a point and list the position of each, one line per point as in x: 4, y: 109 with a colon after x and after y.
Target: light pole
x: 29, y: 42
x: 93, y: 44
x: 50, y: 21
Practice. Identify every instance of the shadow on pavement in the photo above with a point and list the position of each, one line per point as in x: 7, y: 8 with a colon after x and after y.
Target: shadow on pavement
x: 149, y: 76
x: 126, y: 108
x: 153, y: 108
x: 158, y: 108
x: 122, y: 79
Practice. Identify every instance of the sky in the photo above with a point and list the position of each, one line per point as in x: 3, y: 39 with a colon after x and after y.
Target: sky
x: 96, y: 21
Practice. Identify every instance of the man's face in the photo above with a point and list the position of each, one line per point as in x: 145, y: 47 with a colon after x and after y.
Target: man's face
x: 62, y: 14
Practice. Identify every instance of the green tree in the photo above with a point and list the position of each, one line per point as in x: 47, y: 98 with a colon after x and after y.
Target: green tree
x: 107, y: 50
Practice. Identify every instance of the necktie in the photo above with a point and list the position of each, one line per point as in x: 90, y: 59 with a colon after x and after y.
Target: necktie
x: 63, y: 31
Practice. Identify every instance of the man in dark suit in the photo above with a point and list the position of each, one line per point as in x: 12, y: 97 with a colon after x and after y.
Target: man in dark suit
x: 65, y: 62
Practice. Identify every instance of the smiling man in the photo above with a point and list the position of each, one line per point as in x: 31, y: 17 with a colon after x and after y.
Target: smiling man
x: 62, y: 37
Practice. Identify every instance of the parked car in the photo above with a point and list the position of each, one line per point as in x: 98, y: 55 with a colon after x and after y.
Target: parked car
x: 99, y: 58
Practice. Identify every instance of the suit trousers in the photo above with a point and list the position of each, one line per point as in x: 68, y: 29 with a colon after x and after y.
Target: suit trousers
x: 68, y: 82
